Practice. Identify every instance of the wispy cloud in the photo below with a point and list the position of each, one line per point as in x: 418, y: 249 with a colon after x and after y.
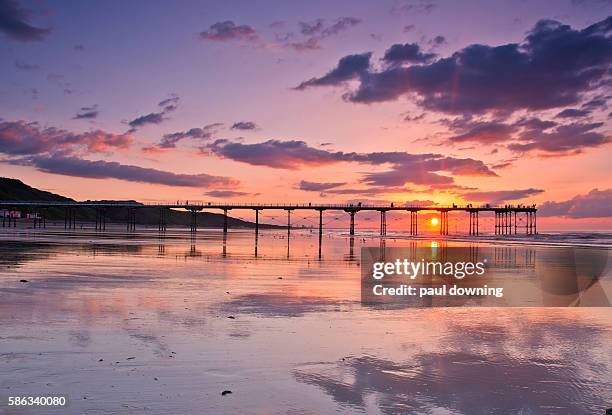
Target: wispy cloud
x: 244, y: 125
x: 166, y: 106
x: 225, y: 194
x: 500, y: 196
x: 227, y: 30
x: 87, y: 113
x: 100, y: 169
x: 318, y: 186
x: 170, y: 140
x: 24, y: 66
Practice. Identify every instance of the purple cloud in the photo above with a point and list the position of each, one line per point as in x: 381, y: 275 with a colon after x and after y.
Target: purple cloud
x: 484, y: 132
x: 349, y: 67
x: 225, y: 193
x: 318, y: 187
x: 317, y: 30
x: 555, y: 66
x: 368, y: 191
x: 229, y: 31
x: 167, y: 105
x: 408, y: 52
x: 244, y: 125
x: 497, y: 197
x: 404, y: 167
x: 564, y: 139
x: 573, y: 113
x: 411, y: 7
x: 29, y: 138
x: 14, y: 23
x: 530, y: 135
x: 99, y: 169
x: 87, y: 113
x: 205, y: 133
x: 595, y: 204
x: 290, y: 155
x: 437, y: 41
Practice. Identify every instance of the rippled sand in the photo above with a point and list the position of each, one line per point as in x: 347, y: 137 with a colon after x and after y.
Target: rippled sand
x: 139, y: 324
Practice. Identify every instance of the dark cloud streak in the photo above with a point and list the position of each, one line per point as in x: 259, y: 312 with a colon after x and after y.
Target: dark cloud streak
x: 99, y: 169
x: 14, y: 23
x: 244, y: 125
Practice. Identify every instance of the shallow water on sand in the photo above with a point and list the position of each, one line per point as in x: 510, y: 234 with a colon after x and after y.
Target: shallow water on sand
x: 141, y: 324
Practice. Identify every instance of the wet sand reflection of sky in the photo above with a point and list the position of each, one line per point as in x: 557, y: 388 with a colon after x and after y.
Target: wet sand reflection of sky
x: 293, y: 322
x: 479, y: 374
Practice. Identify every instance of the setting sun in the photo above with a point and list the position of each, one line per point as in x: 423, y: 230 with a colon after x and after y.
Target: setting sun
x: 434, y: 221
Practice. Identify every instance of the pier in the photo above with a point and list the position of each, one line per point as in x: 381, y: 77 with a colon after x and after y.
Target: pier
x: 507, y: 218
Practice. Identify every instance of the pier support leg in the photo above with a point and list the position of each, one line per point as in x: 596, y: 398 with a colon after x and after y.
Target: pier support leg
x: 352, y: 225
x: 528, y: 223
x: 413, y: 223
x: 443, y: 223
x: 320, y: 231
x: 161, y: 227
x: 256, y: 230
x: 194, y: 221
x: 224, y: 220
x: 497, y: 223
x: 131, y: 220
x: 71, y: 218
x: 288, y: 221
x: 383, y: 222
x: 471, y: 226
x: 256, y: 223
x: 474, y: 222
x: 509, y: 223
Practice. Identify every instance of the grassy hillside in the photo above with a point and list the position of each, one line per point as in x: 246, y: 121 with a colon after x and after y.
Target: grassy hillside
x: 13, y: 189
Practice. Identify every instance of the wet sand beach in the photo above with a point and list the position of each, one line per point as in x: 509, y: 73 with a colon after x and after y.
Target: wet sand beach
x: 135, y: 323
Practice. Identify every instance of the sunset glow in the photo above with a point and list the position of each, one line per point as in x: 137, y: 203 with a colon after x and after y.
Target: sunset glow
x: 271, y: 107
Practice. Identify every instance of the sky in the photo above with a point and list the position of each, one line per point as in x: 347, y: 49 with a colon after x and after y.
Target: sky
x: 411, y: 102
